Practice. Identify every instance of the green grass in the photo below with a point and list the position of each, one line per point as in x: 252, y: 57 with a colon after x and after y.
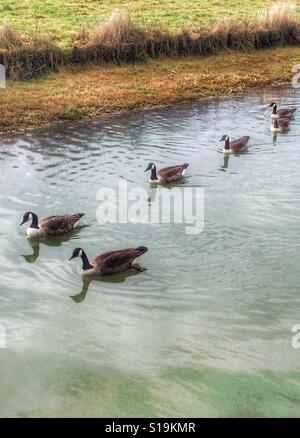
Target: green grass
x: 61, y: 19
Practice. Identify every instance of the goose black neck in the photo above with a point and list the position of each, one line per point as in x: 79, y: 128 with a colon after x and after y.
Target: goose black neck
x: 35, y: 221
x: 227, y: 144
x: 85, y: 262
x: 153, y: 176
x: 275, y: 109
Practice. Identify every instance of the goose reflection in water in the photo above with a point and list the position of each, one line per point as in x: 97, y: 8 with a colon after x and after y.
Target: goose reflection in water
x: 275, y: 136
x: 225, y: 162
x: 157, y: 188
x: 117, y: 278
x: 35, y: 243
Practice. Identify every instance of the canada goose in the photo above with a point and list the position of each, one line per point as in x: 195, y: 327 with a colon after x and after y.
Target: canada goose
x: 283, y: 112
x: 280, y: 125
x: 235, y: 146
x: 111, y: 262
x: 167, y: 174
x: 50, y: 226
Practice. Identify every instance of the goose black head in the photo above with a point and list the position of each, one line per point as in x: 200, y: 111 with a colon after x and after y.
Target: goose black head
x: 142, y: 249
x: 274, y: 106
x: 78, y: 252
x: 224, y: 137
x: 30, y: 216
x: 151, y: 166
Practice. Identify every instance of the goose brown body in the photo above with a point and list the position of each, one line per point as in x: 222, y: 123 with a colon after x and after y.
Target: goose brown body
x: 167, y: 174
x: 280, y: 125
x: 111, y: 262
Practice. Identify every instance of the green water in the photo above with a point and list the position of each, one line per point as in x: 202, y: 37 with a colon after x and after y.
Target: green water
x: 206, y: 329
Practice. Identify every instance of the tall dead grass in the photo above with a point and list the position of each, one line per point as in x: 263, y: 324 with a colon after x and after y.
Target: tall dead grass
x: 117, y: 30
x: 279, y: 15
x: 9, y: 38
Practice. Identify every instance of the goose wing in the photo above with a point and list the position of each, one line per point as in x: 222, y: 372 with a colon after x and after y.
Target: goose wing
x: 100, y: 259
x: 113, y: 262
x: 61, y: 223
x: 239, y: 144
x: 283, y: 123
x: 172, y: 171
x: 283, y: 112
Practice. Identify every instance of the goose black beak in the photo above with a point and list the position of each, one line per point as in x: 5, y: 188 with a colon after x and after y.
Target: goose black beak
x: 23, y: 222
x: 72, y: 257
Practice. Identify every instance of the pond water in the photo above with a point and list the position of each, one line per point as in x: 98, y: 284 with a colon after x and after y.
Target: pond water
x: 206, y: 330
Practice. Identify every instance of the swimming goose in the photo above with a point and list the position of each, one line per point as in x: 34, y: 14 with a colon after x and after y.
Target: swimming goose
x: 167, y: 174
x: 283, y: 112
x: 50, y: 226
x: 111, y: 262
x: 235, y: 146
x: 280, y: 125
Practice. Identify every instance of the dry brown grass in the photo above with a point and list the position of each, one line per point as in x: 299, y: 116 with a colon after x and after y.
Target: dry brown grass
x: 9, y: 38
x: 279, y: 15
x: 118, y: 29
x: 99, y: 91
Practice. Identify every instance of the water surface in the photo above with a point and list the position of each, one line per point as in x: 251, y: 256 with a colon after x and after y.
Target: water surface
x: 206, y: 330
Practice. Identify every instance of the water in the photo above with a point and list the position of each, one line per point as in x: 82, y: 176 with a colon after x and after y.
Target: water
x: 206, y: 330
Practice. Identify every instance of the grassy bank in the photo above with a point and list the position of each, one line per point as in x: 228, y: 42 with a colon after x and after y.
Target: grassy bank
x: 99, y: 91
x: 120, y: 40
x: 61, y: 19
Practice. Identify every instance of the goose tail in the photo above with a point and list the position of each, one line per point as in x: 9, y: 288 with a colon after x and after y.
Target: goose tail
x: 185, y: 165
